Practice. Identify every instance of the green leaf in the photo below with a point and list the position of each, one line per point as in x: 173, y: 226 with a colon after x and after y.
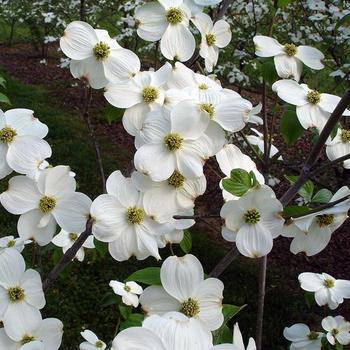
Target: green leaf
x: 149, y: 276
x: 134, y: 320
x: 309, y: 299
x: 4, y: 99
x: 306, y: 191
x: 229, y: 311
x: 322, y: 196
x: 110, y: 299
x: 294, y: 210
x: 239, y: 182
x: 338, y: 346
x: 2, y: 82
x: 186, y: 243
x: 113, y: 114
x: 125, y: 311
x: 283, y: 3
x: 291, y: 128
x: 343, y: 20
x: 101, y: 247
x: 268, y: 72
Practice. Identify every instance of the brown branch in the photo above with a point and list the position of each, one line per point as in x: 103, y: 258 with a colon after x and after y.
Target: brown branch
x: 225, y: 262
x: 329, y: 164
x: 67, y: 257
x: 194, y: 217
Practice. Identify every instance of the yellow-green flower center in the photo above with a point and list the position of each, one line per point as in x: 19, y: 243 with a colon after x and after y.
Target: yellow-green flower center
x: 173, y: 142
x: 135, y: 215
x: 313, y: 335
x: 11, y: 243
x: 15, y: 294
x: 7, y: 135
x: 149, y: 94
x: 335, y: 332
x: 27, y: 339
x: 99, y: 344
x: 174, y: 15
x: 73, y: 236
x: 203, y: 86
x: 313, y: 97
x: 209, y: 108
x: 210, y: 39
x: 127, y: 288
x: 47, y: 204
x: 176, y: 179
x: 101, y: 51
x: 290, y: 49
x: 325, y: 220
x: 252, y: 216
x: 190, y: 307
x: 329, y: 283
x: 345, y: 136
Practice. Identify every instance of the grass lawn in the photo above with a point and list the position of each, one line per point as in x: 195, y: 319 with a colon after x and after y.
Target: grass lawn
x: 77, y: 298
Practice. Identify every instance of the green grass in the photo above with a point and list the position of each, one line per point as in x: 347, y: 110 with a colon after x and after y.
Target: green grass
x: 77, y: 297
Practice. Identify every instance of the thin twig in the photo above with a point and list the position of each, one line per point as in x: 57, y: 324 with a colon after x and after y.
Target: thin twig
x: 225, y: 262
x: 194, y: 217
x: 330, y: 164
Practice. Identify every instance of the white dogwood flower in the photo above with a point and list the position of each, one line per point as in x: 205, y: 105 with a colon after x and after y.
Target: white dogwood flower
x: 129, y: 292
x: 251, y: 223
x: 167, y: 21
x: 22, y: 147
x: 178, y: 143
x: 339, y: 146
x: 338, y: 330
x: 9, y: 242
x: 328, y: 290
x: 312, y: 107
x: 288, y: 58
x: 21, y: 293
x: 185, y: 290
x: 214, y: 37
x: 92, y: 341
x: 65, y: 240
x: 97, y: 57
x: 312, y: 233
x: 43, y: 203
x: 140, y: 95
x: 303, y: 338
x: 231, y: 157
x: 238, y: 343
x: 122, y: 220
x: 33, y: 333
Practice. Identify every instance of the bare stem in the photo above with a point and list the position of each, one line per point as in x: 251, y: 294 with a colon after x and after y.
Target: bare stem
x: 261, y: 301
x: 225, y: 262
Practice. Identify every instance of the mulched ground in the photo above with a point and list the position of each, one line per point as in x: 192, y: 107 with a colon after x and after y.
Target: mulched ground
x: 22, y: 63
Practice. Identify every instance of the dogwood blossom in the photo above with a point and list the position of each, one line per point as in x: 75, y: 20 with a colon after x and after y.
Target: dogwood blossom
x: 328, y: 290
x: 121, y: 219
x: 129, y: 291
x: 167, y: 21
x: 22, y: 147
x: 288, y: 58
x: 339, y: 146
x: 251, y: 223
x: 185, y: 290
x: 43, y: 203
x: 312, y: 107
x: 92, y: 341
x: 97, y: 57
x: 338, y: 330
x: 214, y: 36
x: 9, y: 242
x: 302, y: 338
x: 65, y: 240
x: 312, y: 233
x: 237, y: 342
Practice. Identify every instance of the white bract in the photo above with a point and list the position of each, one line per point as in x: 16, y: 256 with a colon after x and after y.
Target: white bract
x: 121, y: 218
x: 303, y: 338
x: 339, y: 146
x: 9, y: 242
x: 65, y: 240
x: 251, y: 223
x: 288, y: 58
x: 231, y: 157
x: 129, y: 292
x: 312, y: 233
x: 328, y: 290
x: 238, y: 343
x: 22, y: 147
x: 214, y: 36
x: 43, y: 203
x: 21, y: 293
x: 167, y: 21
x: 96, y: 57
x: 312, y: 107
x: 338, y: 330
x: 185, y: 290
x: 92, y: 341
